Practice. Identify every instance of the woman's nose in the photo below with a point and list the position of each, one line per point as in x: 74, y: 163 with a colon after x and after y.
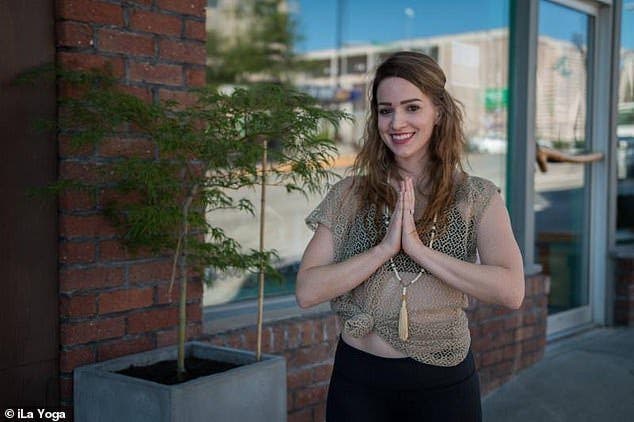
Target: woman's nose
x: 397, y: 120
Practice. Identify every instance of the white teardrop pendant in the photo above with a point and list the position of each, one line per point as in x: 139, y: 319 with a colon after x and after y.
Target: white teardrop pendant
x: 403, y: 329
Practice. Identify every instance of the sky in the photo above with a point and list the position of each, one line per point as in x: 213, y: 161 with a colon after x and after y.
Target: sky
x: 379, y: 21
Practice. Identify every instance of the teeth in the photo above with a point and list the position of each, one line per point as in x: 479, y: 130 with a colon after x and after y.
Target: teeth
x: 401, y: 136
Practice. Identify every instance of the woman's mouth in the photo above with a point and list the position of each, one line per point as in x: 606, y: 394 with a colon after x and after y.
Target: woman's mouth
x: 401, y: 138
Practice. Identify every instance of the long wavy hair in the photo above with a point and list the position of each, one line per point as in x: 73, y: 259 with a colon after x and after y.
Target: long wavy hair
x: 376, y: 161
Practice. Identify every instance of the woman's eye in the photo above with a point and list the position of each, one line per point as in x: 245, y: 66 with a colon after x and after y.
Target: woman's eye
x: 413, y: 107
x: 385, y: 111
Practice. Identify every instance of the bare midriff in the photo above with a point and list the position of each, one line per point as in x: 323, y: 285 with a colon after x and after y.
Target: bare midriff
x: 374, y: 345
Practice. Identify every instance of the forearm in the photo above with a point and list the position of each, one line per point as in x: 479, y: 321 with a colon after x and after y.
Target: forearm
x: 489, y: 283
x: 319, y: 284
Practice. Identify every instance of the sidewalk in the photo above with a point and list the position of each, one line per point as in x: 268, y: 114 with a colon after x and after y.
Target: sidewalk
x: 588, y: 377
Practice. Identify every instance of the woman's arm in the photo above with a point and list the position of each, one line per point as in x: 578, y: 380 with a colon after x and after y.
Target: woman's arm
x: 500, y: 277
x: 320, y: 279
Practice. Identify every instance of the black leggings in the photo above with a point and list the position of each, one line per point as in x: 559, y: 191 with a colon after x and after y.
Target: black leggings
x: 365, y: 387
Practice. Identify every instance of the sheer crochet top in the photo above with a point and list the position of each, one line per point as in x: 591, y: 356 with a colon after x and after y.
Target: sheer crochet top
x: 438, y: 326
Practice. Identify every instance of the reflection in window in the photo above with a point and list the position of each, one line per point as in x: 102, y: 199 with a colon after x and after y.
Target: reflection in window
x: 298, y: 42
x: 562, y: 190
x: 625, y: 132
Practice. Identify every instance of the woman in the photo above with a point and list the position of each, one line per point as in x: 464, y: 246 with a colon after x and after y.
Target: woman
x: 394, y: 250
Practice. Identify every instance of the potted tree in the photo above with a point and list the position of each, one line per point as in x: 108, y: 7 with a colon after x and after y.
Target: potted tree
x: 204, y: 152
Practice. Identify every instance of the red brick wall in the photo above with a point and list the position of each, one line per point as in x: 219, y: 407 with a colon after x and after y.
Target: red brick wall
x: 624, y: 291
x: 503, y: 341
x: 112, y: 304
x: 506, y: 341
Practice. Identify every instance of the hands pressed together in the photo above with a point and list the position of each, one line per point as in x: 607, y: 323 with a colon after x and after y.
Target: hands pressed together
x: 401, y: 232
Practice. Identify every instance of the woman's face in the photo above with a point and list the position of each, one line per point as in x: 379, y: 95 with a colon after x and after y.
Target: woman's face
x: 406, y: 118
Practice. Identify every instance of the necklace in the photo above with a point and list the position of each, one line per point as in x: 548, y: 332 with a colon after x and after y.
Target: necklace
x: 403, y: 322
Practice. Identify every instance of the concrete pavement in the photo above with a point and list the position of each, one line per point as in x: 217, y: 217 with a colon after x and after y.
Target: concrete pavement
x: 587, y: 377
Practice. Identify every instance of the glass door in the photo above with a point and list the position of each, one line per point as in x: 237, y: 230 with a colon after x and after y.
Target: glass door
x: 564, y: 160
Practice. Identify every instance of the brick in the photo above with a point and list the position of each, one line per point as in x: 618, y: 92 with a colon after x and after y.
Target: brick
x: 123, y: 300
x: 299, y: 378
x: 234, y: 340
x: 196, y: 77
x: 503, y: 370
x: 124, y: 42
x: 126, y: 147
x: 530, y: 345
x: 183, y: 98
x: 112, y: 250
x: 153, y: 271
x: 493, y: 356
x: 107, y: 197
x: 195, y: 30
x: 86, y: 332
x: 151, y: 320
x: 156, y: 23
x: 310, y: 395
x: 303, y: 415
x: 278, y: 333
x: 183, y: 51
x: 524, y: 333
x: 77, y: 200
x: 311, y: 355
x: 194, y: 312
x: 71, y: 226
x: 194, y: 291
x: 71, y: 359
x: 530, y: 318
x: 502, y: 338
x: 116, y: 348
x: 249, y: 339
x: 146, y: 3
x: 512, y: 351
x: 513, y: 321
x: 90, y: 278
x: 170, y: 337
x: 306, y: 332
x: 331, y: 332
x: 322, y: 373
x: 293, y: 339
x: 166, y: 74
x: 74, y: 34
x: 66, y: 388
x: 76, y: 252
x: 188, y: 7
x: 78, y: 306
x: 86, y: 172
x: 492, y: 326
x: 83, y: 61
x: 319, y: 412
x: 66, y: 148
x: 90, y: 11
x: 143, y: 93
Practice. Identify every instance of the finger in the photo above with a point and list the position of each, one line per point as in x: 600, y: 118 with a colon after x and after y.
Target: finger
x: 409, y: 197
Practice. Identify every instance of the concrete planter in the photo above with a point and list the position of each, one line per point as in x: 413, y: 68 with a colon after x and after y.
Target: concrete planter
x: 255, y: 391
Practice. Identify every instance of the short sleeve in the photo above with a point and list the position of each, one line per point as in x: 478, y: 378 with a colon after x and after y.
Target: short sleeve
x: 482, y: 191
x: 329, y: 209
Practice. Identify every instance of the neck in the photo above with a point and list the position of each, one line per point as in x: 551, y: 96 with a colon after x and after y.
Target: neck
x: 417, y: 170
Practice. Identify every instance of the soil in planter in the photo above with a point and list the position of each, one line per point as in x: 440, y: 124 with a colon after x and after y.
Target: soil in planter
x: 164, y: 372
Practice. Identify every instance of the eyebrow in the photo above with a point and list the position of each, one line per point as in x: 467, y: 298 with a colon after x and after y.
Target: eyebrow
x: 411, y: 100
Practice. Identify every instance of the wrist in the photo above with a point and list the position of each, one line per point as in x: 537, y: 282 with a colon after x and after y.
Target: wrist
x: 383, y: 252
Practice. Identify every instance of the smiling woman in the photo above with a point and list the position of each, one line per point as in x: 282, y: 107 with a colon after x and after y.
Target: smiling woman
x: 394, y: 251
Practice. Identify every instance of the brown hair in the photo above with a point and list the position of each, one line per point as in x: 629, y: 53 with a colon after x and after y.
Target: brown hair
x: 376, y: 162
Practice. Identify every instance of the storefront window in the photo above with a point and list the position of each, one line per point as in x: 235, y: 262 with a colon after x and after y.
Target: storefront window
x: 625, y: 132
x: 329, y: 49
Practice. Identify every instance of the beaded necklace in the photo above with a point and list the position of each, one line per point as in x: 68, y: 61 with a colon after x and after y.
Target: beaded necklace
x: 403, y: 321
